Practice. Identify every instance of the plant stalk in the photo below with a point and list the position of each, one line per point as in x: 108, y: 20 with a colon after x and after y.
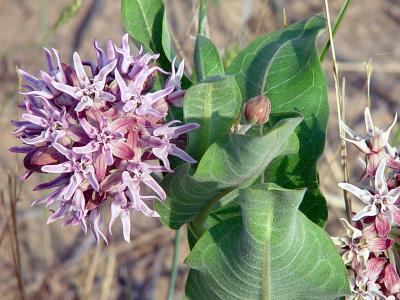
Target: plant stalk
x: 174, y: 266
x: 339, y: 107
x: 339, y: 20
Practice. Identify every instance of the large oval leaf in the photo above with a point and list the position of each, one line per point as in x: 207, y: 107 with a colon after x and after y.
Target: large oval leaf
x: 272, y: 252
x: 285, y: 66
x: 143, y: 21
x: 214, y: 105
x: 226, y: 165
x: 207, y: 61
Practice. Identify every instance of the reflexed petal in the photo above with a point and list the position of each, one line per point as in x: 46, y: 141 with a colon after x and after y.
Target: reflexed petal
x: 94, y: 218
x: 360, y: 144
x: 178, y: 152
x: 100, y: 165
x: 176, y: 98
x: 396, y: 214
x: 79, y: 200
x: 35, y: 119
x: 126, y: 225
x: 119, y: 200
x: 61, y: 180
x: 382, y: 225
x: 375, y: 267
x: 391, y: 279
x: 100, y: 79
x: 162, y: 154
x: 58, y: 214
x: 367, y: 211
x: 378, y: 245
x: 151, y: 183
x: 43, y: 137
x: 89, y: 174
x: 122, y: 150
x: 122, y: 124
x: 380, y: 180
x: 74, y: 182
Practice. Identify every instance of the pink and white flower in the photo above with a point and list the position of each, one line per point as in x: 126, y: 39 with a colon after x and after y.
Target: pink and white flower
x: 104, y: 134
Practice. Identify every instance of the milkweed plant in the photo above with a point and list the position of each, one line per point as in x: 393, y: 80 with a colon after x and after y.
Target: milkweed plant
x: 231, y: 152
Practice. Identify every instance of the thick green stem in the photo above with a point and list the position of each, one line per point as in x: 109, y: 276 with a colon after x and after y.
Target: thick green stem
x: 197, y: 226
x: 339, y: 20
x: 175, y: 265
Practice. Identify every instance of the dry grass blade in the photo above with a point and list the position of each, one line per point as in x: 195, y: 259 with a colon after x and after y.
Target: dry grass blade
x: 108, y: 279
x: 91, y: 273
x: 339, y: 105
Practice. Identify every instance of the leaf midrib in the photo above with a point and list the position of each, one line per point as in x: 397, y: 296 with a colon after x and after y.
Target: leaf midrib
x: 147, y: 27
x: 207, y: 118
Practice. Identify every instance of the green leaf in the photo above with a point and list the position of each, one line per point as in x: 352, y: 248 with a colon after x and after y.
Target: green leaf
x: 146, y: 22
x: 207, y: 61
x: 285, y: 66
x: 214, y: 105
x: 166, y: 40
x: 143, y: 21
x: 272, y: 252
x: 226, y: 165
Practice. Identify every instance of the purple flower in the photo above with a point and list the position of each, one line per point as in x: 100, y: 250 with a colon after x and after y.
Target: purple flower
x: 45, y: 124
x: 379, y: 204
x: 162, y: 145
x: 88, y: 92
x: 98, y: 133
x: 373, y: 144
x: 174, y: 81
x: 80, y: 167
x: 136, y: 102
x: 108, y: 137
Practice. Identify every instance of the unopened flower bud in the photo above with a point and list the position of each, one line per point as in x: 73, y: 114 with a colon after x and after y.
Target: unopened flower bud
x: 257, y: 110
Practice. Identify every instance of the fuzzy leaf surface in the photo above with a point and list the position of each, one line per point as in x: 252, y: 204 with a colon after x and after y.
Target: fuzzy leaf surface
x: 285, y: 66
x: 271, y: 252
x: 226, y: 165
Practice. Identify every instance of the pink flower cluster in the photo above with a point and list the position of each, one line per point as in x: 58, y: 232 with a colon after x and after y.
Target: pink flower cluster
x: 368, y: 247
x: 103, y: 131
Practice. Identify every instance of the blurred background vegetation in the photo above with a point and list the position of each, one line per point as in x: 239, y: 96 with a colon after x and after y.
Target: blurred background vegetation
x: 48, y: 262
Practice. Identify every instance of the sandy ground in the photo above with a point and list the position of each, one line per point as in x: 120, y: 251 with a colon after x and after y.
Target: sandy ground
x: 65, y: 264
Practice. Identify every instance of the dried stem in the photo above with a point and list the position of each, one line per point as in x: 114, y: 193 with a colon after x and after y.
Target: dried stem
x: 284, y: 22
x: 368, y: 68
x: 339, y: 105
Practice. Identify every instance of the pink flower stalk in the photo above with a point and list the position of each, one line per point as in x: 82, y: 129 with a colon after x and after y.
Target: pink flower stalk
x: 368, y: 246
x: 103, y: 131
